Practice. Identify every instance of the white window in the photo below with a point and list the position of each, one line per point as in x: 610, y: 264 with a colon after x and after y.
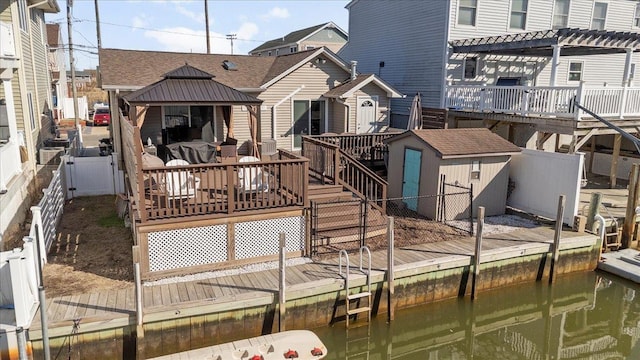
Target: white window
x: 561, y: 14
x: 32, y: 117
x: 470, y: 67
x: 475, y: 169
x: 4, y: 122
x: 599, y: 18
x: 467, y: 10
x: 636, y: 17
x: 277, y: 50
x: 309, y: 47
x: 293, y: 49
x: 518, y: 14
x: 575, y: 70
x: 22, y: 15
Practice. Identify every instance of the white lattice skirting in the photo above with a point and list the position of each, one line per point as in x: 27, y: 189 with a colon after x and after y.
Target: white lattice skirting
x: 260, y: 238
x: 176, y: 249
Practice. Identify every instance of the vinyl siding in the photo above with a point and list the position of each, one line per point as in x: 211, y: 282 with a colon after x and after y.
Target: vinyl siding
x: 409, y: 36
x: 317, y: 80
x: 492, y: 19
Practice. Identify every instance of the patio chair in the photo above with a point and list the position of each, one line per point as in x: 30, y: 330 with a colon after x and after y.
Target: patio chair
x: 181, y: 184
x: 251, y: 179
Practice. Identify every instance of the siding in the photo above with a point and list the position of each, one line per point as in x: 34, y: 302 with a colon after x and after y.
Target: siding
x: 409, y: 36
x: 317, y: 80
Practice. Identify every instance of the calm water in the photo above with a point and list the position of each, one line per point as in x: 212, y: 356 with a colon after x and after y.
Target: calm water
x: 585, y: 316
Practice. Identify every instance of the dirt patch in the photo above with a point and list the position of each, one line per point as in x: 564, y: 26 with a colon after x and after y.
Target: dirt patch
x: 92, y: 251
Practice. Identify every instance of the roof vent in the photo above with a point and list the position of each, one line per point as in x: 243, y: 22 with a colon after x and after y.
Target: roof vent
x: 228, y: 65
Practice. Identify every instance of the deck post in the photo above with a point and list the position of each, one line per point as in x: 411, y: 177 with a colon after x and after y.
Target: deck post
x: 556, y: 239
x: 617, y: 141
x: 579, y: 92
x: 478, y: 250
x: 282, y: 301
x: 628, y: 228
x: 390, y: 281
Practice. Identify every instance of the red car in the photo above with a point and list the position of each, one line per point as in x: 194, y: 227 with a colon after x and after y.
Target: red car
x: 101, y: 117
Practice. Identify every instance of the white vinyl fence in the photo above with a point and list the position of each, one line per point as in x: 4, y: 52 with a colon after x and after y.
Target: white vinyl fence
x: 48, y: 212
x: 19, y: 290
x: 83, y: 108
x: 541, y: 177
x: 90, y: 176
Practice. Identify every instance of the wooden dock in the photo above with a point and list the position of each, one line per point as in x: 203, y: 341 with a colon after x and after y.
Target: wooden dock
x: 187, y: 315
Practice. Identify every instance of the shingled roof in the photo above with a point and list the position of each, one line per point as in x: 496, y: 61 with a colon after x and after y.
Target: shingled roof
x: 347, y: 88
x: 473, y: 142
x: 53, y: 34
x: 133, y: 69
x: 291, y: 38
x: 189, y: 84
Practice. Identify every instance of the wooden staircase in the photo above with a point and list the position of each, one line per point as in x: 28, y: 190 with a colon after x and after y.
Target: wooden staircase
x: 338, y: 216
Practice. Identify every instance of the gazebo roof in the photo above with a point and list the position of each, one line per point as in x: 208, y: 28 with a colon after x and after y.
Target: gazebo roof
x: 188, y: 84
x: 573, y: 42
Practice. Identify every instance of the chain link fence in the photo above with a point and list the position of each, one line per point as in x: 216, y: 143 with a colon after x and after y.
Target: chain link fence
x: 350, y: 224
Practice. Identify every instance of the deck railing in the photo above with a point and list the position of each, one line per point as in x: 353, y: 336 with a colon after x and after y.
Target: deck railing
x: 224, y: 189
x: 330, y: 163
x: 556, y: 101
x: 359, y: 146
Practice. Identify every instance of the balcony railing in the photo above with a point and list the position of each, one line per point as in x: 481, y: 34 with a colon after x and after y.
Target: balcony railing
x: 555, y: 101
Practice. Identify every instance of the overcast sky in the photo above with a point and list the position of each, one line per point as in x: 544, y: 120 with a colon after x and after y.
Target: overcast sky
x: 179, y: 25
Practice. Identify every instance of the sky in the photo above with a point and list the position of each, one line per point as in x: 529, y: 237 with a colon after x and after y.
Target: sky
x: 179, y: 25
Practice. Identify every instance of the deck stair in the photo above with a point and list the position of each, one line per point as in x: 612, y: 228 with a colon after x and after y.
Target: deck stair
x: 338, y: 216
x: 354, y: 300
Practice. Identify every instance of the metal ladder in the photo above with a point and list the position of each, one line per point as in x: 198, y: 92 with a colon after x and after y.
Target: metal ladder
x: 357, y: 296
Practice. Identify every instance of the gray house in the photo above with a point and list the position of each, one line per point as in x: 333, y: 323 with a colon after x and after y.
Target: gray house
x: 467, y: 157
x: 328, y: 35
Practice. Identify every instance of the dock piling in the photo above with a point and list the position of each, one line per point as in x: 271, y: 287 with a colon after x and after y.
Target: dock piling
x: 556, y: 238
x: 478, y: 250
x: 390, y: 282
x: 282, y: 302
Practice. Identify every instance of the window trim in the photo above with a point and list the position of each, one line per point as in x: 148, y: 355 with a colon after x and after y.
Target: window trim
x: 553, y: 15
x: 475, y: 174
x: 475, y: 18
x: 581, y: 62
x: 636, y: 15
x: 293, y: 49
x: 526, y: 17
x: 23, y: 15
x: 593, y: 12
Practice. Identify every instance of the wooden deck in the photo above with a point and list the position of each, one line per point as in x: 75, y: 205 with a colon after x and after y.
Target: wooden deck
x: 109, y: 309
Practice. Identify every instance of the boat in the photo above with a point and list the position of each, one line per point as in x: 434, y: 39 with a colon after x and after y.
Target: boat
x: 294, y: 344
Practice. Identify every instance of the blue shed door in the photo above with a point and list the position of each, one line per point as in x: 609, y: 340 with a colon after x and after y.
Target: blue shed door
x: 411, y: 178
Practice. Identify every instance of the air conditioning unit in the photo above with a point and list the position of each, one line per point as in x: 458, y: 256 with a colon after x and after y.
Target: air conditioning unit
x: 50, y: 155
x: 269, y: 147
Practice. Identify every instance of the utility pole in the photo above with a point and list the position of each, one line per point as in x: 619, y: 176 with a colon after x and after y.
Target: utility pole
x: 95, y: 4
x: 206, y: 22
x: 231, y: 37
x: 72, y: 64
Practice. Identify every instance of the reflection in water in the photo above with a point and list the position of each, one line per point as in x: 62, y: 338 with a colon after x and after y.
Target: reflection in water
x: 583, y: 316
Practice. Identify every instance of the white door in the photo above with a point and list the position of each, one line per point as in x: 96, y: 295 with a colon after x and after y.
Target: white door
x: 367, y: 109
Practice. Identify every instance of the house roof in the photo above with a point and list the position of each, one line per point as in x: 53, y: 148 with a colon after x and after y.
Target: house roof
x: 296, y: 36
x: 455, y: 143
x: 349, y: 87
x: 117, y: 71
x: 188, y: 84
x: 573, y: 41
x: 53, y: 35
x: 48, y: 6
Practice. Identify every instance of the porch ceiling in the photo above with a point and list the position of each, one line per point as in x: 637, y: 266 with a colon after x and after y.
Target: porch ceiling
x: 573, y: 42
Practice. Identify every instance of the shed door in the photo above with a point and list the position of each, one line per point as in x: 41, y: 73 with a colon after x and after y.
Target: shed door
x: 411, y: 178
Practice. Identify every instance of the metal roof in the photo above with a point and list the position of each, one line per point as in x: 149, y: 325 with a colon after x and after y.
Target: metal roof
x: 188, y: 84
x: 572, y: 41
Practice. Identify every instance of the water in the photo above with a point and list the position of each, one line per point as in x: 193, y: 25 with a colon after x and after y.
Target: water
x: 582, y: 316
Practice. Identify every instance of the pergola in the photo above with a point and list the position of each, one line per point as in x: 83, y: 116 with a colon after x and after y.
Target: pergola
x: 189, y: 85
x: 553, y: 44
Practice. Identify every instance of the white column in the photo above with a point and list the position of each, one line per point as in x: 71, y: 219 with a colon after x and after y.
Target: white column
x: 555, y: 60
x: 627, y: 68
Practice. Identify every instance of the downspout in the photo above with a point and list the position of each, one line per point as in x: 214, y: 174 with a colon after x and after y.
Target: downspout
x: 347, y: 115
x: 445, y: 56
x: 273, y: 110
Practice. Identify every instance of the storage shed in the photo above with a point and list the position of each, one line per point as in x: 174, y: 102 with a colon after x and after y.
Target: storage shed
x: 478, y: 157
